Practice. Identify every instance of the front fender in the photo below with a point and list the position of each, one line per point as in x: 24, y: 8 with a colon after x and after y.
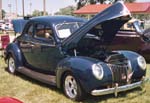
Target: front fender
x: 81, y: 69
x: 13, y: 49
x: 132, y: 56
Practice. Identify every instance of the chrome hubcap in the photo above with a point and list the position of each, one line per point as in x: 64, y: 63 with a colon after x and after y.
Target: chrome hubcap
x: 11, y: 63
x: 71, y: 86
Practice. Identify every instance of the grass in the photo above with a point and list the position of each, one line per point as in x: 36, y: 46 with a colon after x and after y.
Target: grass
x: 31, y: 91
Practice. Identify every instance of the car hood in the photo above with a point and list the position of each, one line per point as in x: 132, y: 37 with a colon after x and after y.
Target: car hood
x: 111, y: 19
x: 18, y: 25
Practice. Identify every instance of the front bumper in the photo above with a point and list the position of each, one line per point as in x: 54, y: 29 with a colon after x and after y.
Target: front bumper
x: 117, y: 88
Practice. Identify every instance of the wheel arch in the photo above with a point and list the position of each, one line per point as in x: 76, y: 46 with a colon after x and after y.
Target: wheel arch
x: 14, y: 51
x: 59, y: 80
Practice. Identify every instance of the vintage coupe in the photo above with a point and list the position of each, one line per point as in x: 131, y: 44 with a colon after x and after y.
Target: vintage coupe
x: 71, y: 53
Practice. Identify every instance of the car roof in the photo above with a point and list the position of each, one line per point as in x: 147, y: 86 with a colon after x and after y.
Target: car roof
x: 54, y: 20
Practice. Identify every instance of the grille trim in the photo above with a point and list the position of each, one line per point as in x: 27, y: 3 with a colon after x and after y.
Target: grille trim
x: 119, y: 73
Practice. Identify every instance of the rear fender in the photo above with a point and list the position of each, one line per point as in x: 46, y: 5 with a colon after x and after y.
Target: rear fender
x: 13, y: 49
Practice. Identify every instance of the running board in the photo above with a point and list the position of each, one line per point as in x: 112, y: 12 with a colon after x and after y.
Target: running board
x: 45, y: 78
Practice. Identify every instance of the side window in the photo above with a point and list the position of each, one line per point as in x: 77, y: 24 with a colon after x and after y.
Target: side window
x: 29, y: 29
x: 39, y: 30
x: 43, y: 31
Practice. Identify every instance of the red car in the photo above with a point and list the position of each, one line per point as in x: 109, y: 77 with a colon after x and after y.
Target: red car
x: 135, y: 40
x: 9, y: 100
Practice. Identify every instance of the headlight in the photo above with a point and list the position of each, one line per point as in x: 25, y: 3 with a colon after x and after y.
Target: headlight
x: 141, y: 62
x: 97, y: 70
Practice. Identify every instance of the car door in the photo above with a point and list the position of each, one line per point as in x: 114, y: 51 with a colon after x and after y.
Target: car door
x: 25, y: 43
x: 44, y: 50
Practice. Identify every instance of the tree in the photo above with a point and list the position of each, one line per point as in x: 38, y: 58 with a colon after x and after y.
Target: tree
x: 130, y: 1
x: 3, y: 13
x: 38, y: 13
x: 66, y: 11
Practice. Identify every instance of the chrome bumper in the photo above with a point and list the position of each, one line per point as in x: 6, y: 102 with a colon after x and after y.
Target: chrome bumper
x: 117, y: 88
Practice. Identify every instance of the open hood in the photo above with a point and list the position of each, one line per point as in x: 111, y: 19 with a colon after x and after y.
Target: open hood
x: 110, y: 20
x: 18, y: 25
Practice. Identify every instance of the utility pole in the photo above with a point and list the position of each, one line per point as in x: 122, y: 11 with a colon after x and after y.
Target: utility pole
x: 0, y: 9
x: 44, y: 7
x: 30, y: 4
x: 23, y: 8
x: 9, y: 5
x: 16, y: 8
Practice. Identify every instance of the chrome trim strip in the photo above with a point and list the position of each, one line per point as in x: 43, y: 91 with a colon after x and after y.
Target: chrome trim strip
x: 126, y: 35
x: 117, y: 88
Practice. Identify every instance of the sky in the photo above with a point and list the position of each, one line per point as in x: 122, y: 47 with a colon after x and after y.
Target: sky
x: 52, y: 6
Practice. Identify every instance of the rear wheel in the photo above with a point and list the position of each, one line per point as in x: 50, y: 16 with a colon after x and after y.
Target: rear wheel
x: 11, y: 65
x: 72, y: 88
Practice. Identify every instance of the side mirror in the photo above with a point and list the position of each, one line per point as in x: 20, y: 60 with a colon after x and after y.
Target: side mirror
x: 144, y: 34
x: 139, y: 30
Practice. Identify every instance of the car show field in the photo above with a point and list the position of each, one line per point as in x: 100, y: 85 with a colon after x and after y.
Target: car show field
x: 32, y: 91
x: 73, y: 55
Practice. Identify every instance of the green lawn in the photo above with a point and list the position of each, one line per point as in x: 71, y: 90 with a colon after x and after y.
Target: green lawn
x: 31, y: 91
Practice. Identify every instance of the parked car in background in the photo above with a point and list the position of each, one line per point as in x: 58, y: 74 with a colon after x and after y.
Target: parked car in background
x: 5, y: 26
x: 71, y: 53
x: 8, y: 26
x: 130, y: 38
x: 1, y: 23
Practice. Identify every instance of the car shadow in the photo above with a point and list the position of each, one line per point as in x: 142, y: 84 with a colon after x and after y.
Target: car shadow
x: 34, y: 81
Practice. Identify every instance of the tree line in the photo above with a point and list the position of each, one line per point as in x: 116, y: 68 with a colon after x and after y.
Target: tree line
x: 81, y: 3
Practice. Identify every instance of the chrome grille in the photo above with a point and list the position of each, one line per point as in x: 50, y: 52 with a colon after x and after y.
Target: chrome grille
x: 119, y: 73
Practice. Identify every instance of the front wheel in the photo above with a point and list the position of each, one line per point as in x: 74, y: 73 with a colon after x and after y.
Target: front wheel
x: 11, y: 65
x: 72, y: 88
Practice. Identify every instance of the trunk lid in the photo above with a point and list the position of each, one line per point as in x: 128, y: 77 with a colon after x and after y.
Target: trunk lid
x: 18, y: 25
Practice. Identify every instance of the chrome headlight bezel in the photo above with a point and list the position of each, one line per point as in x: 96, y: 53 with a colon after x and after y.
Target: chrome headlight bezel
x: 141, y: 62
x: 129, y: 65
x: 98, y: 71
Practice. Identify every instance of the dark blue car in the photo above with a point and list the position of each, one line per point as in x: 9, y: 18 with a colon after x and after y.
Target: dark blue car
x: 72, y: 54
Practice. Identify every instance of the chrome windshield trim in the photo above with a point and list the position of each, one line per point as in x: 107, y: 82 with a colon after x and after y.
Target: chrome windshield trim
x: 77, y: 24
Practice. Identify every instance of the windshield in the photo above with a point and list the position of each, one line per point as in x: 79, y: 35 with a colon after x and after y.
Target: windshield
x: 64, y: 30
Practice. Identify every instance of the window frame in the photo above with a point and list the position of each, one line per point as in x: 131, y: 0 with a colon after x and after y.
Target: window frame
x: 27, y: 28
